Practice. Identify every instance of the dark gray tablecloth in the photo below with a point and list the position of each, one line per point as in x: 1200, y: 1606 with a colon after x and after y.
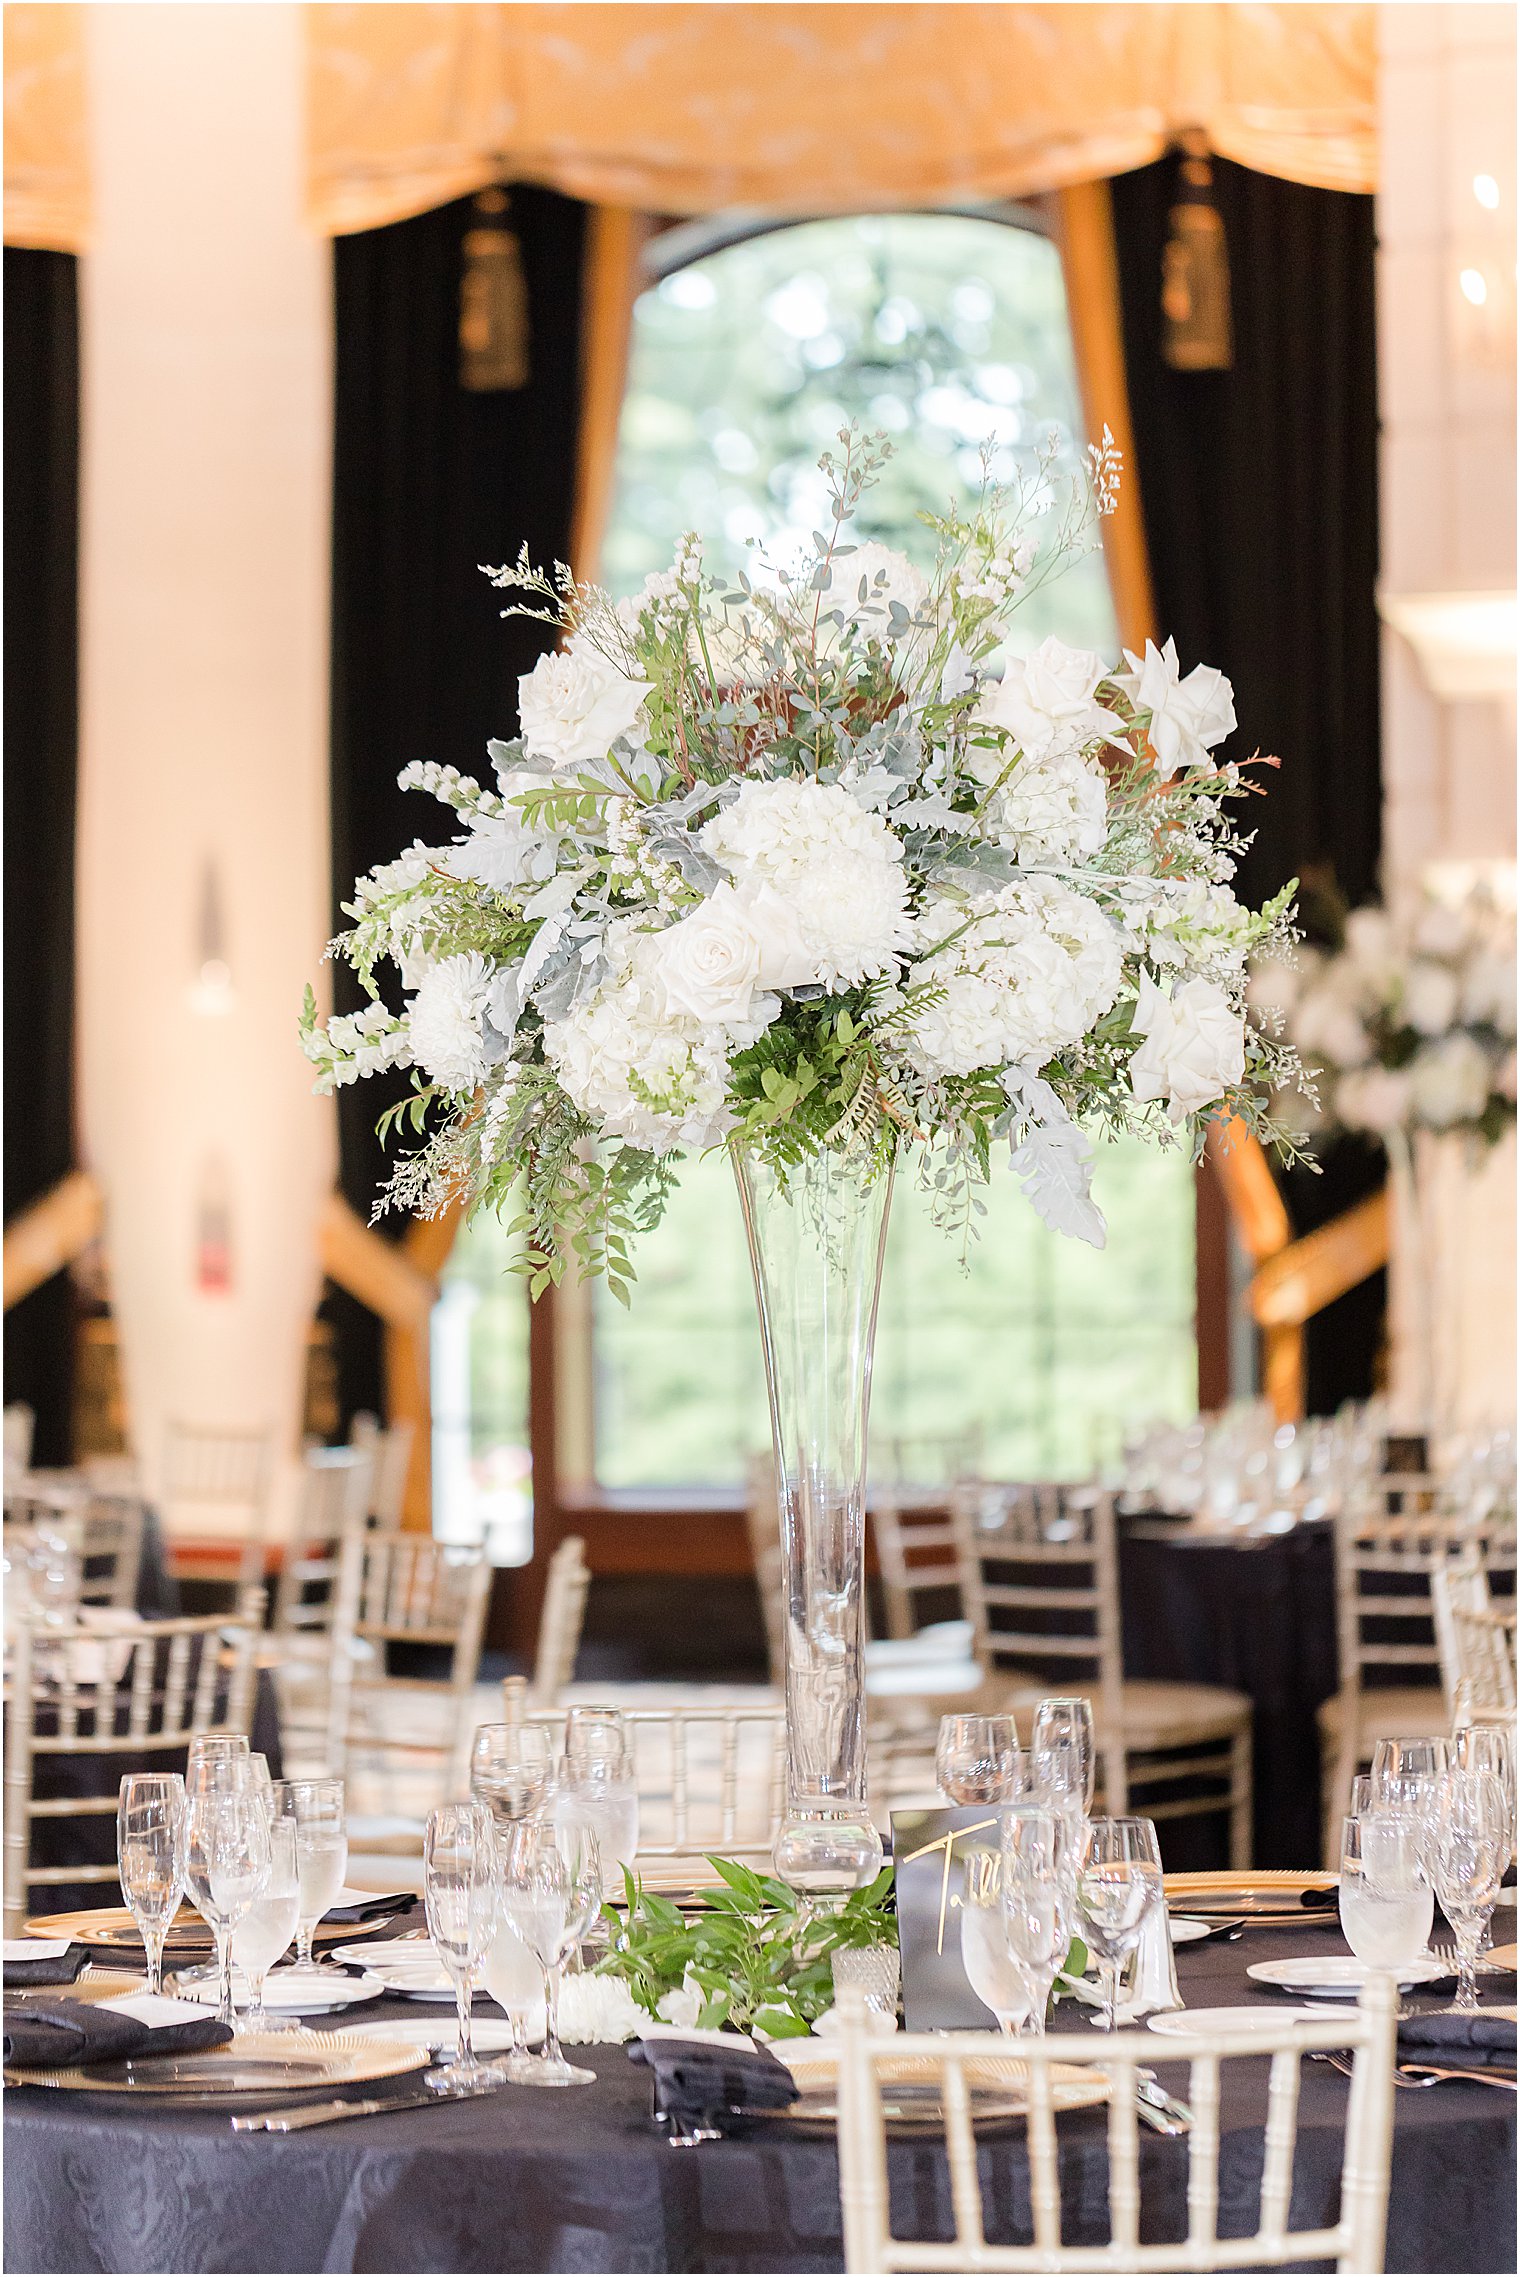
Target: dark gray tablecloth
x: 534, y: 2180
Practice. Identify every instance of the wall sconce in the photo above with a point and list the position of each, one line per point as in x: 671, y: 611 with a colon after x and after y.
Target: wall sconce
x: 1464, y: 642
x: 211, y: 991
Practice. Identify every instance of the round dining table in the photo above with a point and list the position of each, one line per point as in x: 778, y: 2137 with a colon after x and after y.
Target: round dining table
x: 535, y: 2179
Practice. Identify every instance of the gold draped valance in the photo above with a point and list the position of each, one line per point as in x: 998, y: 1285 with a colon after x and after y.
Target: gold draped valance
x: 686, y: 109
x: 47, y: 171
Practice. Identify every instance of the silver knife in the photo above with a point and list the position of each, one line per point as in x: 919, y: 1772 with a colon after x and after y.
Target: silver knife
x: 291, y: 2116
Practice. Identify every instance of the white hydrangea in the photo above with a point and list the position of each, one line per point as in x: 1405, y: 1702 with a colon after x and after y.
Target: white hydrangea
x: 448, y: 1021
x: 575, y: 704
x: 639, y: 1071
x: 837, y: 866
x: 1032, y: 968
x: 887, y: 575
x: 1051, y: 811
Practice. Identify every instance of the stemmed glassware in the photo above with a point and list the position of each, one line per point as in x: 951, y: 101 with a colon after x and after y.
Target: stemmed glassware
x: 977, y: 1759
x: 1062, y: 1756
x: 461, y: 1883
x: 513, y: 1978
x: 1037, y: 1900
x: 1468, y: 1851
x: 150, y: 1858
x: 1117, y: 1878
x: 316, y: 1808
x: 1385, y: 1898
x: 991, y: 1970
x: 227, y: 1860
x: 551, y: 1889
x: 510, y: 1769
x: 1407, y: 1775
x: 1487, y: 1747
x: 266, y: 1929
x: 596, y: 1792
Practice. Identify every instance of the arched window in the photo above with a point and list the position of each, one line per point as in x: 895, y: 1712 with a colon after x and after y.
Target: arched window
x: 749, y: 351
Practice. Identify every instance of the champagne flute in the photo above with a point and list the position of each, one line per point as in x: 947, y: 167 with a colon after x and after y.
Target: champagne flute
x: 551, y: 1889
x: 1117, y: 1878
x: 461, y: 1884
x: 1468, y: 1852
x: 976, y: 1759
x: 265, y: 1931
x: 1036, y: 1892
x: 991, y: 1970
x: 510, y: 1769
x: 1062, y: 1756
x: 226, y: 1866
x: 150, y: 1858
x: 513, y: 1978
x: 317, y: 1808
x: 1488, y: 1747
x: 217, y: 1761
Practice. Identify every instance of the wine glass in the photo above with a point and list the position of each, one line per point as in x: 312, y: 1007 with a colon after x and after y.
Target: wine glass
x: 510, y: 1769
x: 461, y: 1883
x: 217, y: 1761
x: 1487, y: 1747
x: 1117, y: 1878
x: 316, y: 1807
x: 596, y: 1735
x: 226, y: 1866
x: 1385, y: 1900
x: 150, y: 1857
x: 1062, y: 1756
x: 991, y: 1970
x: 209, y: 1748
x: 1468, y: 1851
x: 1406, y: 1774
x: 551, y: 1889
x: 265, y: 1931
x: 976, y: 1759
x: 1036, y: 1894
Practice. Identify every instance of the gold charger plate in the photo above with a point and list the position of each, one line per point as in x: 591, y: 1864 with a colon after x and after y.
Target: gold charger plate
x: 910, y: 2095
x: 1270, y: 1891
x: 257, y: 2066
x: 1502, y: 1957
x: 112, y: 1927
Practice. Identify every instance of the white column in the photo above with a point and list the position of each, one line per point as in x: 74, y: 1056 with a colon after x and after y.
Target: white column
x: 1446, y: 351
x: 206, y: 323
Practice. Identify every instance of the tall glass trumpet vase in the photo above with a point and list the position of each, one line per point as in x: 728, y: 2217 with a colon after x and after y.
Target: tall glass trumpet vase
x: 816, y: 1242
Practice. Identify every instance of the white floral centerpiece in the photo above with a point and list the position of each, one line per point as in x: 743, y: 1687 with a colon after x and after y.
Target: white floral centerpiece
x: 818, y: 858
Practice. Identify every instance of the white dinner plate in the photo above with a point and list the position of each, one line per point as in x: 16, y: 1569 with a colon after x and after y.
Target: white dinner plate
x: 1182, y: 2023
x: 1337, y: 1976
x: 312, y: 1992
x: 385, y: 1950
x: 489, y: 2035
x: 1187, y: 1929
x: 408, y: 1967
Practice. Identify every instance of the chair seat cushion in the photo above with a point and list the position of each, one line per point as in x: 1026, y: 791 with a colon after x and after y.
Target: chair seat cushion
x: 1158, y: 1714
x: 1402, y: 1711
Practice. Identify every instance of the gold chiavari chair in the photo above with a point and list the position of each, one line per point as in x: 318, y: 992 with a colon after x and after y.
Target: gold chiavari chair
x: 560, y: 1622
x: 216, y: 1480
x: 334, y: 1499
x: 1353, y: 2240
x: 917, y: 1545
x: 124, y: 1693
x: 1476, y: 1644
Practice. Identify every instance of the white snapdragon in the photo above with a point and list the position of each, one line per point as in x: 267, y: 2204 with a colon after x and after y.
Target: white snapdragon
x: 356, y: 1044
x: 1047, y: 701
x: 448, y: 1019
x: 838, y: 868
x: 1052, y: 812
x: 1187, y: 716
x: 1018, y: 973
x: 1194, y: 1048
x: 575, y: 704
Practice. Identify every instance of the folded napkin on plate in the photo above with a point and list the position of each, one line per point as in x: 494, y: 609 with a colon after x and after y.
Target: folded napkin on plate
x: 1320, y: 1901
x: 54, y: 2035
x: 366, y: 1905
x: 30, y: 1962
x: 700, y: 2085
x: 1449, y: 2036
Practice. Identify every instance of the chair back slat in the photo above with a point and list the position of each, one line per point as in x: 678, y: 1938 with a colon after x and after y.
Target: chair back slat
x: 403, y: 1588
x: 1203, y: 2160
x: 710, y: 1779
x: 1281, y: 2141
x: 560, y: 1621
x: 1124, y: 2159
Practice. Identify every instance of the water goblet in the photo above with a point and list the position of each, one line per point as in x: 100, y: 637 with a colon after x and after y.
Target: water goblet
x: 510, y: 1769
x: 317, y: 1809
x: 1385, y: 1898
x: 1036, y: 1895
x: 226, y: 1866
x: 595, y: 1735
x: 461, y: 1880
x: 265, y: 1931
x: 1117, y: 1878
x: 1062, y: 1755
x: 1406, y: 1774
x: 209, y: 1749
x: 514, y: 1980
x: 216, y: 1760
x: 1468, y: 1850
x: 991, y: 1970
x: 150, y: 1858
x: 976, y: 1759
x: 551, y: 1890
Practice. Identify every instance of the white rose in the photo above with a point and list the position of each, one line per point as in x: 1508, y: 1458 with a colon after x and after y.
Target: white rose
x: 1188, y: 717
x: 1328, y: 1027
x: 1045, y: 702
x: 1431, y: 995
x: 1373, y: 1099
x: 708, y: 966
x: 575, y: 704
x: 1194, y: 1046
x: 1449, y: 1082
x: 1440, y: 930
x: 1370, y: 944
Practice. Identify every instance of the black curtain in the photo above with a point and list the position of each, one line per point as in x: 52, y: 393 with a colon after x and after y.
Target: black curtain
x: 430, y: 480
x: 41, y: 747
x: 1259, y: 487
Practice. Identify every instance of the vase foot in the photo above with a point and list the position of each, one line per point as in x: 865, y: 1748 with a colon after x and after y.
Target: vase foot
x: 828, y: 1851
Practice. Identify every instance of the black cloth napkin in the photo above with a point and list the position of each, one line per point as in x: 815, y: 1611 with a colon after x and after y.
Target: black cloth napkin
x: 697, y: 2085
x: 1321, y: 1901
x: 1451, y: 2036
x: 54, y: 2035
x: 61, y: 1968
x: 378, y: 1908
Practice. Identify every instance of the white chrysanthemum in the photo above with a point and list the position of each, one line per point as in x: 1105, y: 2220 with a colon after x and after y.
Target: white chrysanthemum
x: 838, y: 866
x: 887, y: 576
x: 1032, y: 970
x: 1051, y: 811
x: 447, y: 1021
x: 575, y: 704
x: 639, y: 1072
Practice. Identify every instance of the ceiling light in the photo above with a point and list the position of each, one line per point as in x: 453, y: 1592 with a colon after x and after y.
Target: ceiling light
x: 1474, y: 286
x: 1486, y: 191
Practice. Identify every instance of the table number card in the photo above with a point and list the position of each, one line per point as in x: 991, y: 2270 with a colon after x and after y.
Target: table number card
x: 932, y: 1852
